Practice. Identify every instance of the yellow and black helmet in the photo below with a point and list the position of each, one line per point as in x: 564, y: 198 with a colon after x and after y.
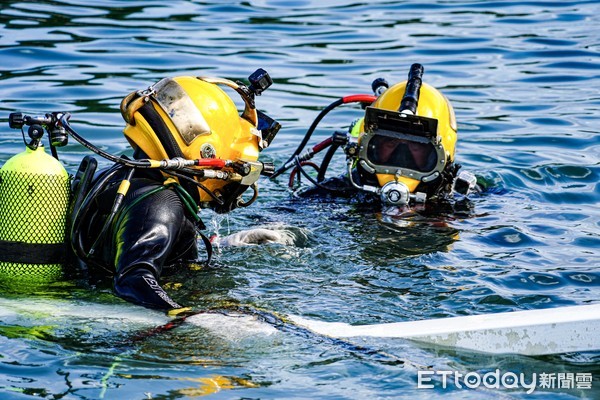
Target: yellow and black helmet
x: 194, y: 119
x: 408, y: 146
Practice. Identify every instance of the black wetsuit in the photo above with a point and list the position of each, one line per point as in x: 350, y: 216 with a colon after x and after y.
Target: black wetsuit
x: 152, y: 229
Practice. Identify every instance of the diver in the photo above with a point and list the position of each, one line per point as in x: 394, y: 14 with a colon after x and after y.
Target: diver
x: 401, y: 154
x: 191, y: 150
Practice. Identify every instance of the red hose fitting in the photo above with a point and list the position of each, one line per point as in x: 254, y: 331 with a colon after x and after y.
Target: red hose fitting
x: 211, y: 162
x: 324, y: 144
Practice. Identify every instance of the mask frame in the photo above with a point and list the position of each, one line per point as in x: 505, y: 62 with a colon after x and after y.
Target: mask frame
x: 405, y: 127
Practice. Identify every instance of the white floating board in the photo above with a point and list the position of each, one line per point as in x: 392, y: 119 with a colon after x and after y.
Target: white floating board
x: 537, y: 332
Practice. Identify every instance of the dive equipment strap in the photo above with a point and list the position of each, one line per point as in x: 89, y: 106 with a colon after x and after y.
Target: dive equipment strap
x: 208, y: 245
x: 82, y: 182
x: 33, y: 253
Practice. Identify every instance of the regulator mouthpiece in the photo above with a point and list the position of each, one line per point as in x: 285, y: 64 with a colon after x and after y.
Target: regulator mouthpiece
x: 398, y: 194
x: 395, y: 194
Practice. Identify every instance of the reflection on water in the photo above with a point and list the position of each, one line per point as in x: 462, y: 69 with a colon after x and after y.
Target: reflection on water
x: 523, y: 80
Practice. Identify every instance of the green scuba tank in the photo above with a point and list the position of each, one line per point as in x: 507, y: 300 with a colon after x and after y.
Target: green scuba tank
x: 34, y: 202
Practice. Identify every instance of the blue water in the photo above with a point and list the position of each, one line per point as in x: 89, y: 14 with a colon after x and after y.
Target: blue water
x: 524, y: 80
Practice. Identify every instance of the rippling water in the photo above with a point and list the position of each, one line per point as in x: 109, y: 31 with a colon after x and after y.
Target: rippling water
x: 524, y: 80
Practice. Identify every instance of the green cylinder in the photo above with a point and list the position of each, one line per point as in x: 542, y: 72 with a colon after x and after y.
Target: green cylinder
x: 34, y: 202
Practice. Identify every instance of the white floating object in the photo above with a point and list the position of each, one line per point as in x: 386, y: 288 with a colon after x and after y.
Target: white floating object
x: 124, y: 317
x: 232, y: 325
x: 537, y: 332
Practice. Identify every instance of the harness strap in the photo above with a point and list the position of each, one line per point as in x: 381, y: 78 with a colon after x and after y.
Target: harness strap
x: 208, y: 245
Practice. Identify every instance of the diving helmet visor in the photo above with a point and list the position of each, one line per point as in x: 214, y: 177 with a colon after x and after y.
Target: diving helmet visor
x: 403, y: 153
x: 401, y: 144
x: 180, y: 108
x: 185, y: 116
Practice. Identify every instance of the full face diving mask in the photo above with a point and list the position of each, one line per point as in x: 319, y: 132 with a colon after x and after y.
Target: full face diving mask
x: 403, y: 146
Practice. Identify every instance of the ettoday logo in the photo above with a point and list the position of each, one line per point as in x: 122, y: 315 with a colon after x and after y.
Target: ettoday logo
x: 506, y: 380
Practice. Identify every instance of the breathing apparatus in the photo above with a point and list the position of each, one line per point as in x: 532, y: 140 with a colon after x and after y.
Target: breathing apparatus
x: 186, y: 127
x: 193, y: 123
x: 401, y: 150
x: 34, y: 201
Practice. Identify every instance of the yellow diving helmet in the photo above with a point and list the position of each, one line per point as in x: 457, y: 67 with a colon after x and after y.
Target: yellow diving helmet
x: 192, y: 118
x: 408, y: 139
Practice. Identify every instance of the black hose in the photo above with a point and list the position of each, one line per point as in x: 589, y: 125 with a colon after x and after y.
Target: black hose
x: 307, y: 136
x: 114, y: 209
x: 80, y: 215
x: 131, y: 163
x: 64, y: 121
x: 53, y: 150
x: 314, y: 182
x: 195, y: 182
x: 326, y: 160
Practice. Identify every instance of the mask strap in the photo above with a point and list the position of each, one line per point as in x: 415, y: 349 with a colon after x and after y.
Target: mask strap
x: 167, y: 141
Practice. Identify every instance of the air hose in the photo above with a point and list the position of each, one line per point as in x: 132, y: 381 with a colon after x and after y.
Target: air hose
x: 357, y: 98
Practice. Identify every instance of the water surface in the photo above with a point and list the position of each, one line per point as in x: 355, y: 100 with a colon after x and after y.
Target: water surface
x: 523, y: 78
